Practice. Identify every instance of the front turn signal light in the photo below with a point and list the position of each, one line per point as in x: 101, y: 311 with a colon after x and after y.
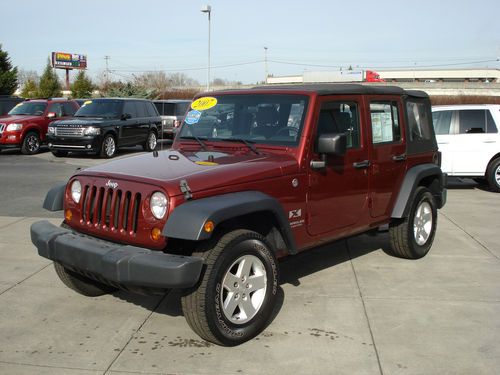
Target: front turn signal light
x: 209, y: 226
x: 68, y: 215
x: 155, y: 234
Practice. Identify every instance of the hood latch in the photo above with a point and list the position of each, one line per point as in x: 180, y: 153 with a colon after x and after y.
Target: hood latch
x: 185, y: 189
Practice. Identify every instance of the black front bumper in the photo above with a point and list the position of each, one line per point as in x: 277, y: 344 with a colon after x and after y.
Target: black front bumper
x: 114, y: 263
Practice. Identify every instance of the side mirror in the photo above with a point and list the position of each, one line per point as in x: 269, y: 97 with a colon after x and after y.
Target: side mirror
x: 329, y: 144
x: 126, y: 116
x: 51, y: 115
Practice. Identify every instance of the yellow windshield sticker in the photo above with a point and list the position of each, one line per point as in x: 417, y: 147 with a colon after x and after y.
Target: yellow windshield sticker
x: 17, y: 105
x: 87, y: 102
x: 206, y: 163
x: 204, y: 103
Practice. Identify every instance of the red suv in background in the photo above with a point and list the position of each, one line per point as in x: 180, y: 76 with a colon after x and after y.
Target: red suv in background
x: 25, y: 125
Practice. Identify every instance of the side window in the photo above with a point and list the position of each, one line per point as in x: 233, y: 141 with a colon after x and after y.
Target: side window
x: 442, y: 121
x: 69, y: 109
x: 490, y: 123
x: 140, y: 108
x: 385, y: 122
x: 340, y: 117
x: 57, y: 108
x: 129, y: 108
x: 151, y: 109
x: 419, y: 121
x: 472, y: 121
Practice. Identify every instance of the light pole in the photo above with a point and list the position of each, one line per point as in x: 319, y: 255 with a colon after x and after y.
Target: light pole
x: 265, y: 65
x: 208, y: 9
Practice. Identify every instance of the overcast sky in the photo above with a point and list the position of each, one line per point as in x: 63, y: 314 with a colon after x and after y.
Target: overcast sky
x: 146, y: 35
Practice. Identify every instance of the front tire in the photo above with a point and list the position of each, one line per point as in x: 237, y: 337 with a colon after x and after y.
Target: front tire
x: 108, y: 147
x: 31, y: 144
x: 412, y: 237
x: 237, y: 292
x: 493, y: 175
x: 81, y: 284
x: 151, y: 142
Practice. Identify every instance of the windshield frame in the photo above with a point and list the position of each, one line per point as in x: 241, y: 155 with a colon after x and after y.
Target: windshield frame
x: 248, y: 104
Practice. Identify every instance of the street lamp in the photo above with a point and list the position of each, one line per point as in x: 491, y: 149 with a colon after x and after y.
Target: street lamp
x: 208, y: 9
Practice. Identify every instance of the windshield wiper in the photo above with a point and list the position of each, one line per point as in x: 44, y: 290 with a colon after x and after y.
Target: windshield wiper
x: 202, y: 144
x: 248, y: 143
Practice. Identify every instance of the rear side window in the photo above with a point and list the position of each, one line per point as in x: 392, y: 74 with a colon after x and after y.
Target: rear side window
x: 419, y: 123
x: 129, y: 108
x: 151, y: 109
x: 165, y: 109
x: 475, y: 121
x: 140, y: 107
x: 442, y: 121
x: 181, y: 109
x: 385, y: 122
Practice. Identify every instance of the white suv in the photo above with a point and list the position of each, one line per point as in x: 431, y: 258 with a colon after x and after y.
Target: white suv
x: 469, y: 140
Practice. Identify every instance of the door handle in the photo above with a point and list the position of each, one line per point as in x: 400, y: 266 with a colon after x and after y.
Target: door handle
x: 401, y: 157
x: 361, y: 164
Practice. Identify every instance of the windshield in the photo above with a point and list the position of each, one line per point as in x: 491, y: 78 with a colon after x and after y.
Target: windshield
x: 274, y: 119
x: 29, y: 108
x: 100, y: 108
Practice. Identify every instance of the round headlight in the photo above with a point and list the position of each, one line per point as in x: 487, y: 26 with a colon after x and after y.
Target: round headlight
x: 159, y: 205
x: 76, y: 191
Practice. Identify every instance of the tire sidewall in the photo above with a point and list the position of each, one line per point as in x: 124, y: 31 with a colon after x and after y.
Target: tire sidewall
x: 226, y: 331
x: 422, y: 195
x: 25, y: 148
x: 492, y: 182
x: 103, y: 147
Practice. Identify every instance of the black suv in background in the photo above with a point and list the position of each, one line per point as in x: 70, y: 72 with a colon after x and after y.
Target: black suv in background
x: 7, y: 103
x: 172, y: 112
x: 100, y: 126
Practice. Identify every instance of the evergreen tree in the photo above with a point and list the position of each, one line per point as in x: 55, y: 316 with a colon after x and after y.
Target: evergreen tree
x: 8, y: 74
x: 82, y: 87
x: 30, y: 89
x: 49, y: 83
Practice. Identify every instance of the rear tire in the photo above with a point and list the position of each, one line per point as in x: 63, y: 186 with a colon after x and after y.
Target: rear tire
x: 236, y: 294
x: 81, y: 284
x: 31, y: 143
x: 493, y: 175
x: 412, y: 236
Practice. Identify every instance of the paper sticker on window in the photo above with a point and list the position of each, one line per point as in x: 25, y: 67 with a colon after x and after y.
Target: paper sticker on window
x: 87, y: 102
x: 206, y: 163
x: 192, y: 117
x: 204, y: 103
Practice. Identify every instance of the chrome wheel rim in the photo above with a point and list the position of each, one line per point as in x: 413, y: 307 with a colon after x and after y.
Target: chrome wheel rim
x: 422, y: 223
x: 152, y: 141
x: 243, y: 289
x: 33, y: 143
x: 497, y: 175
x: 109, y: 146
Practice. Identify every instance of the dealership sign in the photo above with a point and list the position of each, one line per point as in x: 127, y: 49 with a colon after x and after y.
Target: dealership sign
x: 68, y: 60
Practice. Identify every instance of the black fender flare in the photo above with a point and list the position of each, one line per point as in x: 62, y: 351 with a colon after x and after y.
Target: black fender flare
x: 187, y: 220
x: 55, y: 197
x: 412, y: 180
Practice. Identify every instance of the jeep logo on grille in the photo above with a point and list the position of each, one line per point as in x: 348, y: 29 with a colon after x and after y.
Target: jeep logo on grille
x: 112, y: 184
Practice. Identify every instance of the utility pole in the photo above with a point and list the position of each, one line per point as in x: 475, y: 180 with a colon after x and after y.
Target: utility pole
x: 106, y: 73
x: 208, y: 9
x: 265, y: 65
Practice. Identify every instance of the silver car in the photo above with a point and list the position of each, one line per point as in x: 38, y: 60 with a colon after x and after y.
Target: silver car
x: 172, y: 112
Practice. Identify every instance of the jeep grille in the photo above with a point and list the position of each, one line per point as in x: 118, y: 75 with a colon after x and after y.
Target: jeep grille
x: 69, y: 132
x: 111, y: 208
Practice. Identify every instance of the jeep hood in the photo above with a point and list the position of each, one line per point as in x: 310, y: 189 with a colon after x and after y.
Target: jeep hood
x: 203, y: 170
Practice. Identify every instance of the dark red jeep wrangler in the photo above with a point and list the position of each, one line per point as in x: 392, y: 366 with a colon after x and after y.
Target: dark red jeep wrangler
x: 253, y: 175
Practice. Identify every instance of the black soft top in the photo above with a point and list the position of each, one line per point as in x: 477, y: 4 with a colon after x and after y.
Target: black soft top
x: 334, y: 89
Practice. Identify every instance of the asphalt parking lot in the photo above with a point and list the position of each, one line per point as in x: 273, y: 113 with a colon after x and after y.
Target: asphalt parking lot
x: 346, y: 308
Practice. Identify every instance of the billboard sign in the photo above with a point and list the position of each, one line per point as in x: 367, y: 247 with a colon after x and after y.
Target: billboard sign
x: 68, y: 60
